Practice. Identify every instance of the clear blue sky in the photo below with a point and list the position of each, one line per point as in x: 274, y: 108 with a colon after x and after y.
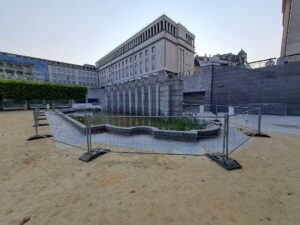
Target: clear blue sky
x: 82, y: 31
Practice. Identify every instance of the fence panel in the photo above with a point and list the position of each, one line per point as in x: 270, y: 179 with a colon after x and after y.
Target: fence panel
x: 144, y: 134
x: 243, y: 124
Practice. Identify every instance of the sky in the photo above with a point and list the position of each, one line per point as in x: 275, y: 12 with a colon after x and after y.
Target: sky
x: 82, y: 31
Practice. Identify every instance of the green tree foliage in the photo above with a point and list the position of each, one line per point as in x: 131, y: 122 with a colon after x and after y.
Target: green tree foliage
x: 30, y: 90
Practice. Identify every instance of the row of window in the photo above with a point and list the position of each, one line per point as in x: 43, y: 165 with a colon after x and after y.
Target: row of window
x: 68, y: 76
x: 129, y: 60
x: 150, y: 32
x: 73, y: 82
x: 18, y: 66
x: 128, y: 72
x: 18, y: 72
x: 72, y: 71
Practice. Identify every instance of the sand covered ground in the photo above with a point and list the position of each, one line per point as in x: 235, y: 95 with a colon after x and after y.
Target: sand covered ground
x: 48, y: 185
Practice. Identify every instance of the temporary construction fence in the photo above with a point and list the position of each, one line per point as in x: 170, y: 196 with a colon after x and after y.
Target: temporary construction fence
x: 221, y: 110
x: 181, y: 135
x: 12, y: 104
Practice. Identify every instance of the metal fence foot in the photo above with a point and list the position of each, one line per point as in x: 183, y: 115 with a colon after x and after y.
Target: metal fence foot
x: 226, y: 163
x: 255, y: 134
x: 35, y: 137
x: 42, y: 124
x: 90, y: 155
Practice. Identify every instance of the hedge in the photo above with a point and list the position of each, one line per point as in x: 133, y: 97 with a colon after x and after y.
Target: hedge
x: 30, y: 90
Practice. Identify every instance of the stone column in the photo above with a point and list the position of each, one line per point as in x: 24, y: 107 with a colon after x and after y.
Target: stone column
x: 136, y: 100
x: 164, y: 104
x: 149, y: 101
x: 157, y: 99
x: 118, y: 101
x: 143, y: 100
x: 112, y: 100
x: 106, y: 102
x: 129, y: 99
x: 124, y: 101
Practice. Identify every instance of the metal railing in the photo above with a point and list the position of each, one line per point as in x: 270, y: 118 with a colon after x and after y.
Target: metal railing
x: 262, y: 63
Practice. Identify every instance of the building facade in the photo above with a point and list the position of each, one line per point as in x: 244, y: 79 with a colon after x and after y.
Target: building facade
x: 21, y: 67
x: 72, y: 74
x: 17, y: 71
x: 163, y: 45
x: 290, y: 47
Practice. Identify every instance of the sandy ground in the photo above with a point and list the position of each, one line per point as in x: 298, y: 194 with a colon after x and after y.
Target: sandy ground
x: 51, y: 186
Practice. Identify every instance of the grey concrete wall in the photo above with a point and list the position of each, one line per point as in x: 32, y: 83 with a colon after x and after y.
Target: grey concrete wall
x: 200, y: 82
x: 275, y: 84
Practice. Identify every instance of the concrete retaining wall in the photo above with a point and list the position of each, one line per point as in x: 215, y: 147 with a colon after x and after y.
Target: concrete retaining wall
x: 275, y: 84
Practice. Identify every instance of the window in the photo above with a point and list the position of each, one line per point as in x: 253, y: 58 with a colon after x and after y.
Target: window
x: 153, y: 63
x: 126, y: 71
x: 131, y: 70
x: 146, y: 65
x: 135, y: 68
x: 153, y: 49
x: 141, y: 67
x: 146, y: 52
x: 141, y: 54
x: 135, y: 57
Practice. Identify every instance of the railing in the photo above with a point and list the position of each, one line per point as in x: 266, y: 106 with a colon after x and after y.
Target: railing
x: 262, y: 63
x: 292, y: 58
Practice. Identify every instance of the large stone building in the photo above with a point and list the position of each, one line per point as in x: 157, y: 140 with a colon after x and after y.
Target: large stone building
x: 14, y: 66
x: 290, y: 47
x: 163, y: 45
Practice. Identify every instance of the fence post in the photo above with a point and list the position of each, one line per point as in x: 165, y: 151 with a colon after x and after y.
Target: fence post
x: 88, y: 131
x: 259, y: 121
x: 224, y: 134
x: 36, y: 120
x: 226, y: 128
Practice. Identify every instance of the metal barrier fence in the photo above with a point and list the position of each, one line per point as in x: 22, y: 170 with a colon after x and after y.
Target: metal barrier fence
x: 180, y: 135
x: 270, y: 108
x: 221, y: 110
x: 11, y: 104
x: 243, y: 125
